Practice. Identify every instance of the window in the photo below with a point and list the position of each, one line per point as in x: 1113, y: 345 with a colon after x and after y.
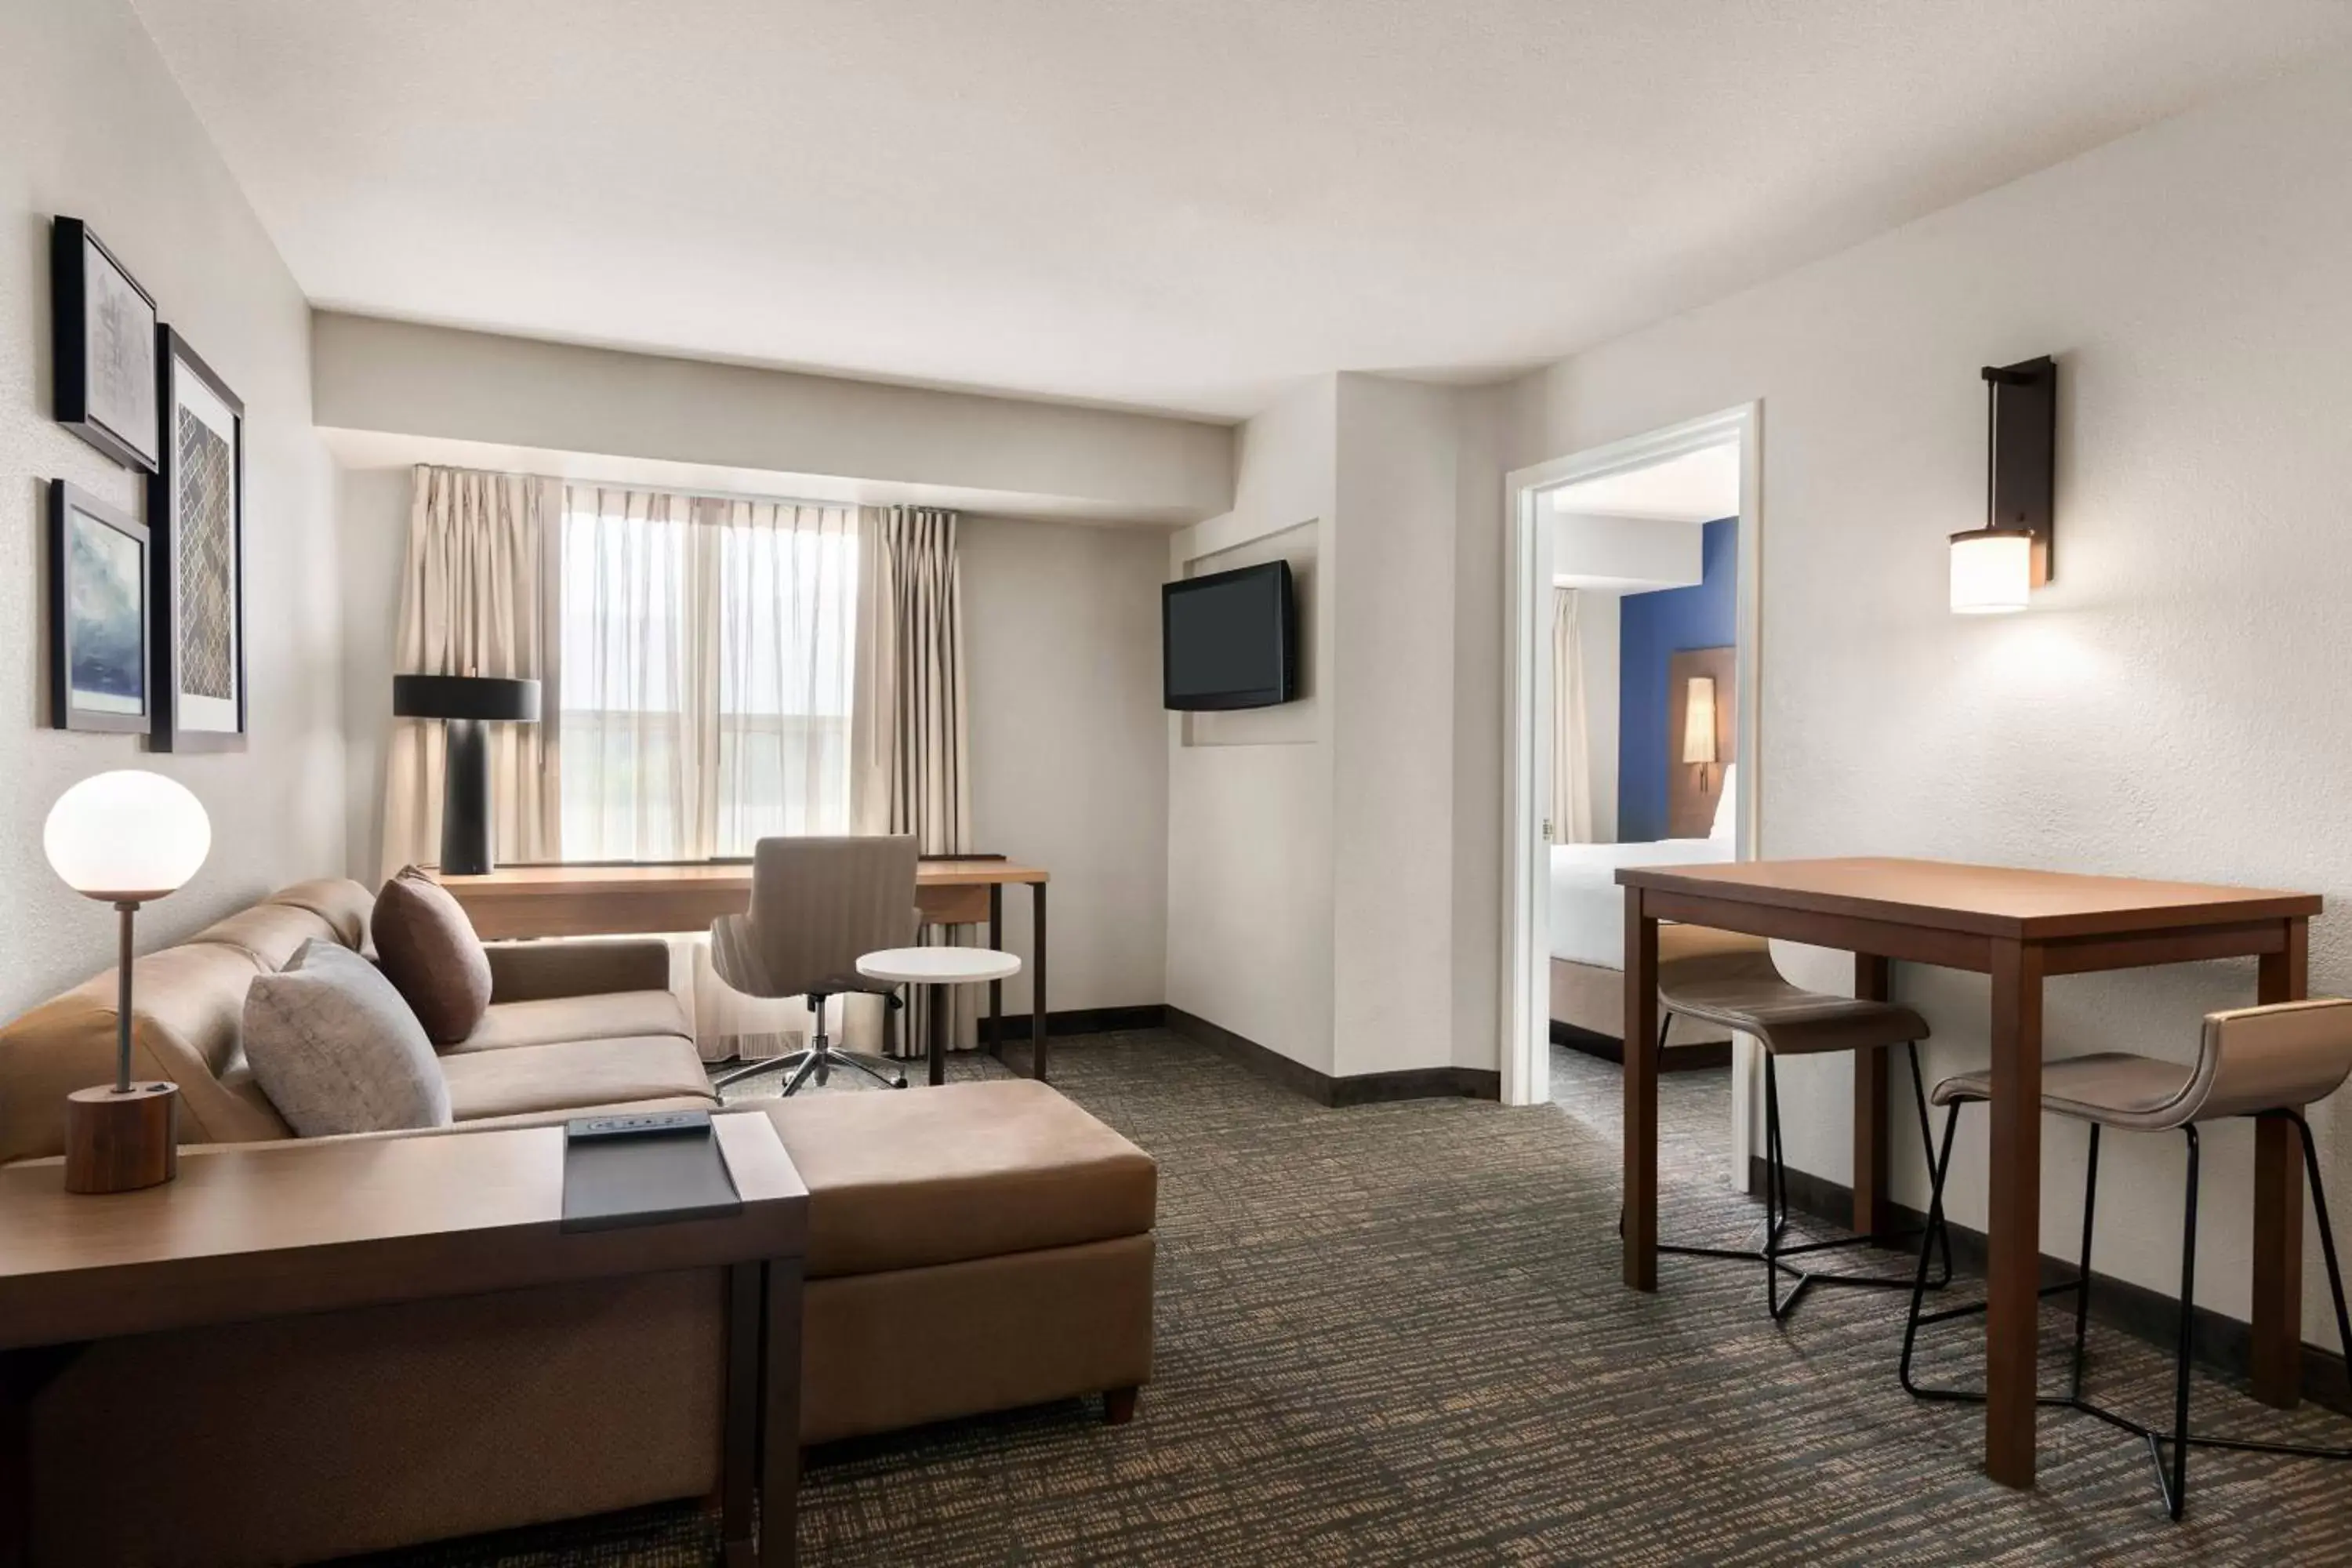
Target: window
x: 706, y: 673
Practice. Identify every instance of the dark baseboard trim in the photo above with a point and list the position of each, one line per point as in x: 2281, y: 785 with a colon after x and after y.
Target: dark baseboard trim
x: 1083, y: 1021
x: 1609, y: 1048
x: 1357, y: 1089
x: 2218, y: 1342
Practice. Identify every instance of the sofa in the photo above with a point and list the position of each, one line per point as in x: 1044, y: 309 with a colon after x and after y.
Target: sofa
x: 972, y: 1247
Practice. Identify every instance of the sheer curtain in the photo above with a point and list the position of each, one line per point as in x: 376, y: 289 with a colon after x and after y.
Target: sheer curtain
x: 474, y: 599
x: 708, y: 651
x: 1571, y: 744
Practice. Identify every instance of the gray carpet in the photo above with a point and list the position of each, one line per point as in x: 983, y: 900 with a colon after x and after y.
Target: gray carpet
x: 1394, y: 1335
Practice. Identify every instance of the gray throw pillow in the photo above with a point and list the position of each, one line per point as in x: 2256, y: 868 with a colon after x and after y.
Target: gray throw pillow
x: 336, y: 1049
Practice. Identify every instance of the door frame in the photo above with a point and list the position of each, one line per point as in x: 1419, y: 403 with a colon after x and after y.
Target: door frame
x: 1526, y: 1010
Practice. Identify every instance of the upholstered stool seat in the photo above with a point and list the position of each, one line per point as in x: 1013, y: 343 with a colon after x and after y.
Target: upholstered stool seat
x: 2253, y: 1061
x: 1729, y: 981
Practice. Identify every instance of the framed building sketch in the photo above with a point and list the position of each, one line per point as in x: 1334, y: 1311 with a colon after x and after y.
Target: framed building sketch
x: 195, y: 504
x: 100, y: 628
x: 103, y: 330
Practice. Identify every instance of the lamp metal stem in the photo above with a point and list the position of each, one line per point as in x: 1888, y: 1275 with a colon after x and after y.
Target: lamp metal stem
x: 127, y: 909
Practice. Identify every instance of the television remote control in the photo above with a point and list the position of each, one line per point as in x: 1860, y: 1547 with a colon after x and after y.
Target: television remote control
x: 647, y: 1124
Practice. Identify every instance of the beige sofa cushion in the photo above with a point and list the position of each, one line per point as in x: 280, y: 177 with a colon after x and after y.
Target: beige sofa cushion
x: 616, y: 1016
x: 922, y: 1176
x: 337, y: 1050
x: 573, y: 1073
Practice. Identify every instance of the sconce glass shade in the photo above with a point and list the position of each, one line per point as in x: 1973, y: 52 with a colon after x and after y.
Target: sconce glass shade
x: 1993, y: 571
x: 1699, y: 720
x: 127, y: 836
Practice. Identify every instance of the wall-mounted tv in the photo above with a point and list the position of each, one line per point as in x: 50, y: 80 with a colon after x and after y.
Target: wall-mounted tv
x: 1229, y: 639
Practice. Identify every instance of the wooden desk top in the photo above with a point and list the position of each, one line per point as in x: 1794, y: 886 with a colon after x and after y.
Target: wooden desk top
x: 269, y: 1229
x: 1981, y: 901
x: 524, y: 881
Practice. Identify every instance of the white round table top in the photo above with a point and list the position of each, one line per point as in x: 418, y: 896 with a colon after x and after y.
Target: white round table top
x: 939, y: 965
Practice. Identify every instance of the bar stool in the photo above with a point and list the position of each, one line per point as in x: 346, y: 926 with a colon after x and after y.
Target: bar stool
x: 1730, y: 980
x: 2257, y: 1062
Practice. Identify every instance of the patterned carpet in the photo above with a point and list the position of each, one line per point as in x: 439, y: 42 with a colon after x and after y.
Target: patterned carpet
x: 1394, y: 1335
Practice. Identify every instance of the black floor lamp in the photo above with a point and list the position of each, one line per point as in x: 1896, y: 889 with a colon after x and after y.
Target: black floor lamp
x: 466, y: 704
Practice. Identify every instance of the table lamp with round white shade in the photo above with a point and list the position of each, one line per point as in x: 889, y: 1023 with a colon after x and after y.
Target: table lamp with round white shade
x: 124, y: 837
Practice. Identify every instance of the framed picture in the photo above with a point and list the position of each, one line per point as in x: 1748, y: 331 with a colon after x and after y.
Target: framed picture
x: 98, y: 620
x: 195, y: 504
x: 105, y: 347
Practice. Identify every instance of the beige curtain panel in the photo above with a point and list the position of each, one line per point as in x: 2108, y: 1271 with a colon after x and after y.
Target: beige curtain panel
x: 1572, y: 742
x: 911, y: 771
x: 478, y: 598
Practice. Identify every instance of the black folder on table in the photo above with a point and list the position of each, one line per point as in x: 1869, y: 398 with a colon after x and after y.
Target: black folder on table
x: 609, y: 1183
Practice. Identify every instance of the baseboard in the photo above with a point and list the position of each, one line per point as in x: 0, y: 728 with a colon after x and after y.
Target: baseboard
x: 1083, y: 1021
x: 2218, y: 1342
x: 1609, y: 1048
x: 1354, y: 1088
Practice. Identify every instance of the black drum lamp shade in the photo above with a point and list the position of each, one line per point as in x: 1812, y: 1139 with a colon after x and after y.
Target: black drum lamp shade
x: 465, y: 703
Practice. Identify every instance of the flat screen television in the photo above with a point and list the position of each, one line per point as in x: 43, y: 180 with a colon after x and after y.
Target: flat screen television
x: 1229, y: 639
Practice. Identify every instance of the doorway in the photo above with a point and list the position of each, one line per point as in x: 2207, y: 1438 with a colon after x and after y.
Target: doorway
x: 1634, y: 582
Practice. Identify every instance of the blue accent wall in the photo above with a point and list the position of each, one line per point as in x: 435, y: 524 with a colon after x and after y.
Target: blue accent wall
x: 1651, y: 628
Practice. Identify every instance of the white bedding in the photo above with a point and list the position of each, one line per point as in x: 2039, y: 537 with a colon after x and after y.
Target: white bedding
x: 1588, y: 907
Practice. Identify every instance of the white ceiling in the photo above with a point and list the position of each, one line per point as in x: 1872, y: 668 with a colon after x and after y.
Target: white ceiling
x: 1698, y: 487
x: 1178, y: 205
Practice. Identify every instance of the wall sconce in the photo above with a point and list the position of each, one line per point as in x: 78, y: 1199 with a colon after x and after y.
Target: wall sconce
x: 1699, y: 725
x: 1996, y: 567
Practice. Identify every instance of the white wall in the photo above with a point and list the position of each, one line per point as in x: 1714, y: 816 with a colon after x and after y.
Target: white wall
x: 1625, y: 554
x: 95, y: 128
x: 2167, y: 707
x: 1069, y: 763
x: 1250, y: 825
x: 371, y: 507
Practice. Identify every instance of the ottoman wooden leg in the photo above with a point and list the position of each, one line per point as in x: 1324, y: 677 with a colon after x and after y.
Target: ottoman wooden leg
x: 1119, y: 1405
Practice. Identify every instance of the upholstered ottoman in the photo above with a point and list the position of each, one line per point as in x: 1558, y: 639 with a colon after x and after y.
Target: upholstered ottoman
x: 971, y: 1247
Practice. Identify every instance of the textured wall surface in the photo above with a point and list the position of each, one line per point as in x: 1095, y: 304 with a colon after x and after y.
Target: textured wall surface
x: 96, y: 128
x: 2170, y: 705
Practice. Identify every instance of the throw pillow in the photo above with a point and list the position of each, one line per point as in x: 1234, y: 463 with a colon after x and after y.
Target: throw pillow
x: 429, y: 951
x: 337, y: 1050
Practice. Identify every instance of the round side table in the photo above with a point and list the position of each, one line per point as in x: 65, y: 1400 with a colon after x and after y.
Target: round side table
x: 939, y: 968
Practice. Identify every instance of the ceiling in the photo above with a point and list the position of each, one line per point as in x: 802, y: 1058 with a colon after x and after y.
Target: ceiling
x: 1181, y: 206
x: 1698, y: 487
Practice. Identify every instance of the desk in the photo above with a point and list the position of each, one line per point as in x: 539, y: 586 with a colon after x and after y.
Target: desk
x: 267, y: 1230
x: 515, y: 902
x: 2019, y: 927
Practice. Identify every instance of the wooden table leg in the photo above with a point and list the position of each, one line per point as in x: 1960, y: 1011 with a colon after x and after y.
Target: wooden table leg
x: 2278, y: 1208
x: 1037, y: 982
x: 996, y: 987
x: 2013, y: 1266
x: 740, y: 1422
x: 1874, y: 1206
x: 1641, y: 1095
x: 780, y: 1449
x: 942, y: 1003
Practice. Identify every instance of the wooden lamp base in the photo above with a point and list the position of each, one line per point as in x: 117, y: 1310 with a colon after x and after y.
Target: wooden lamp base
x: 117, y: 1142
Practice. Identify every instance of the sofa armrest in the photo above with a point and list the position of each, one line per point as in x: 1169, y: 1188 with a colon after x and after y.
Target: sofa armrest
x: 536, y: 971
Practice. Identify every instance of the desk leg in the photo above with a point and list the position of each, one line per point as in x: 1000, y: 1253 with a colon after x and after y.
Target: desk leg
x: 996, y: 987
x: 1873, y: 1207
x: 2012, y: 1273
x: 942, y: 1003
x: 780, y: 1458
x: 1641, y: 1222
x: 739, y: 1456
x: 1037, y: 982
x: 2278, y: 1208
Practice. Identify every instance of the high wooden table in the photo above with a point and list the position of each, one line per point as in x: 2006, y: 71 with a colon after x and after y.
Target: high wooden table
x: 2019, y: 927
x: 276, y: 1229
x: 519, y: 901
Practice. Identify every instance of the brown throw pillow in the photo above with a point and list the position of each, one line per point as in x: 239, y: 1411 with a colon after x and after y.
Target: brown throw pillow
x: 430, y: 953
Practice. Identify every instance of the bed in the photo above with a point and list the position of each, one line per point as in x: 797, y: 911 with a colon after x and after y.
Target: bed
x: 1588, y: 932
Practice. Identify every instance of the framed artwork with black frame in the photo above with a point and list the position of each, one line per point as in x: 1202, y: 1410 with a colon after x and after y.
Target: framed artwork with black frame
x: 195, y: 504
x: 99, y: 625
x: 104, y: 339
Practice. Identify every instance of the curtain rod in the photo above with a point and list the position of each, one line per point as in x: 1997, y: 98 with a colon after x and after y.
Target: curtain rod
x: 688, y: 492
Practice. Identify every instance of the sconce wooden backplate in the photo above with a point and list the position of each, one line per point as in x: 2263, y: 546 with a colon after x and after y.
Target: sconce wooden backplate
x: 2024, y: 461
x: 1690, y: 804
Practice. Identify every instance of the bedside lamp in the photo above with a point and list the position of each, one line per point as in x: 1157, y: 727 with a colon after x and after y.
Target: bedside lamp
x: 124, y: 838
x: 1699, y: 725
x: 465, y: 703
